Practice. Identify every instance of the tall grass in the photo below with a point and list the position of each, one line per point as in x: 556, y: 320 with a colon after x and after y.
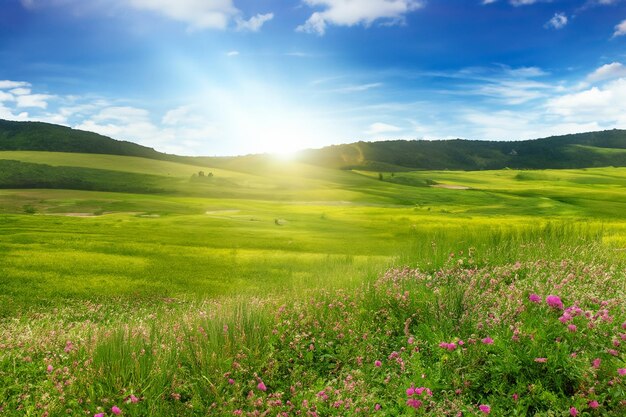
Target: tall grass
x: 346, y: 351
x: 496, y: 244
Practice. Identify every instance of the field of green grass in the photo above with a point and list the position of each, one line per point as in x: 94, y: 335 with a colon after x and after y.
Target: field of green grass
x: 279, y: 287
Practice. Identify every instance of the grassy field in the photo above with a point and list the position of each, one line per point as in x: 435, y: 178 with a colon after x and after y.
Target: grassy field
x: 278, y: 288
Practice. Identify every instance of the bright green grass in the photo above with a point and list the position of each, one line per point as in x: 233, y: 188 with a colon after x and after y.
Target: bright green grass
x: 281, y: 228
x: 278, y: 272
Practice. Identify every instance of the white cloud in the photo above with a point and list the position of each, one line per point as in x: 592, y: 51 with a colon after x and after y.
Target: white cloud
x: 558, y: 21
x: 203, y: 14
x: 620, y: 29
x: 7, y: 84
x: 351, y: 13
x: 6, y: 97
x: 255, y: 23
x: 523, y: 2
x: 605, y: 105
x: 33, y: 100
x: 379, y: 128
x: 199, y: 14
x: 124, y: 123
x: 504, y: 85
x: 20, y: 91
x: 232, y: 53
x: 183, y: 115
x: 358, y: 88
x: 6, y: 113
x: 608, y: 72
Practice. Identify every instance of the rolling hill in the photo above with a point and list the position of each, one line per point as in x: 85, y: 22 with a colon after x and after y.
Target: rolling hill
x: 583, y: 150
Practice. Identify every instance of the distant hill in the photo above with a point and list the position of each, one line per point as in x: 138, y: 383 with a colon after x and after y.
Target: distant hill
x: 39, y: 136
x: 583, y: 150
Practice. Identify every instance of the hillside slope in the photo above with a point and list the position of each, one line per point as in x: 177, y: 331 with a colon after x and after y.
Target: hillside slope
x: 584, y: 150
x: 594, y: 149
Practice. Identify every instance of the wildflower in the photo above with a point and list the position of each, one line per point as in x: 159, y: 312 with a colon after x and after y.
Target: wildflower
x: 378, y: 364
x: 554, y: 301
x: 377, y: 407
x: 411, y: 340
x: 534, y: 298
x: 596, y: 363
x: 621, y: 371
x: 612, y: 352
x: 572, y: 328
x: 50, y: 368
x: 231, y: 381
x: 484, y: 408
x: 593, y: 404
x: 487, y: 341
x: 116, y: 410
x: 133, y: 399
x: 410, y: 391
x: 541, y: 360
x: 99, y: 415
x: 573, y: 411
x: 412, y: 402
x: 515, y: 397
x: 261, y: 386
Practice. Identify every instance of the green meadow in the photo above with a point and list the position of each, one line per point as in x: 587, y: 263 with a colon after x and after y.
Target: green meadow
x: 100, y: 255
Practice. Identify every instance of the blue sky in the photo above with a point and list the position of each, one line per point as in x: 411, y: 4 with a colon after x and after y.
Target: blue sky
x: 225, y: 77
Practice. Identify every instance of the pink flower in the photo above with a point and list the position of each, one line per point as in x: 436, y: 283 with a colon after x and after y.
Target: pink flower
x: 410, y: 391
x: 593, y: 404
x: 99, y: 415
x: 231, y: 381
x: 377, y: 407
x: 412, y: 402
x: 572, y: 328
x: 554, y: 301
x: 50, y: 368
x: 487, y: 341
x: 573, y: 411
x: 621, y: 371
x: 261, y: 386
x: 541, y: 360
x: 378, y: 364
x: 133, y: 399
x: 116, y: 410
x: 612, y: 352
x: 515, y: 397
x: 534, y: 298
x: 484, y: 408
x: 596, y: 363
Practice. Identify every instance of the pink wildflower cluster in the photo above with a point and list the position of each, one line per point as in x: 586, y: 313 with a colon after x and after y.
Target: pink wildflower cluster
x: 554, y: 301
x: 416, y: 396
x: 448, y: 346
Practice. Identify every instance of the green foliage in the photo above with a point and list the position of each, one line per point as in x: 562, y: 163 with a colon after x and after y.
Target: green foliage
x: 595, y: 149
